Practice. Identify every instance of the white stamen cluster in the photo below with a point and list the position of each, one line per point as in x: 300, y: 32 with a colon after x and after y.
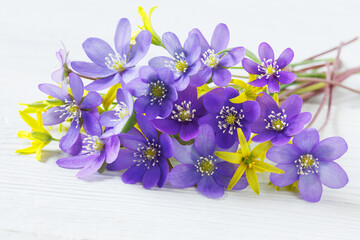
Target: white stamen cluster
x: 270, y: 68
x: 206, y: 165
x: 157, y: 92
x: 92, y: 145
x: 229, y: 119
x: 72, y: 112
x: 210, y: 58
x: 179, y: 66
x: 276, y: 121
x: 116, y: 62
x: 183, y: 112
x: 121, y: 111
x: 307, y: 164
x: 148, y: 155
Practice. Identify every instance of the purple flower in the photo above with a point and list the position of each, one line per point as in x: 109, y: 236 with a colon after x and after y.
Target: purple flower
x: 155, y: 91
x: 76, y: 109
x: 184, y: 116
x: 311, y: 162
x: 118, y: 117
x: 214, y: 64
x: 270, y: 71
x: 145, y: 158
x: 61, y: 74
x: 226, y: 117
x: 95, y: 150
x: 201, y: 167
x: 186, y: 60
x: 113, y: 67
x: 276, y: 123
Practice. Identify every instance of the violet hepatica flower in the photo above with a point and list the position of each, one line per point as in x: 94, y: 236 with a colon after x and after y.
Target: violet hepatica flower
x: 184, y: 116
x: 118, y: 117
x: 279, y: 124
x: 113, y: 66
x: 270, y: 71
x: 95, y: 150
x: 311, y: 162
x: 155, y: 91
x: 145, y: 156
x: 226, y: 117
x: 185, y: 62
x: 214, y: 64
x: 201, y: 167
x: 62, y: 73
x: 76, y: 109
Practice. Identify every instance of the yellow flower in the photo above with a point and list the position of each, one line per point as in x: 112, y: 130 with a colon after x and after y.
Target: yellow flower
x: 249, y: 92
x: 156, y: 40
x: 248, y: 162
x: 38, y: 135
x: 203, y: 89
x: 110, y: 96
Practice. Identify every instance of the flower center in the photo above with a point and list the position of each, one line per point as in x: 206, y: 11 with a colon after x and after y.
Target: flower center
x: 92, y: 144
x: 157, y: 92
x: 276, y: 121
x: 183, y: 112
x: 148, y: 154
x: 206, y: 165
x: 116, y: 62
x: 269, y: 67
x: 270, y: 70
x: 121, y: 111
x: 307, y: 164
x: 179, y: 66
x: 229, y: 119
x: 210, y: 59
x: 71, y: 110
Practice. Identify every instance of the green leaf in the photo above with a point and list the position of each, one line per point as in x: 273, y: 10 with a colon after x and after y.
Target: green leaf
x: 130, y: 123
x: 252, y: 56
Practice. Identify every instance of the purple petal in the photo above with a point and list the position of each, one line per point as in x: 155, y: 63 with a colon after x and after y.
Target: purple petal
x: 124, y: 160
x: 265, y: 52
x: 91, y: 100
x: 184, y: 153
x: 164, y: 171
x: 260, y: 82
x: 220, y: 38
x: 141, y: 103
x: 151, y: 177
x: 134, y: 174
x: 76, y: 86
x: 108, y: 119
x: 285, y: 77
x: 182, y: 83
x: 128, y: 75
x: 67, y: 141
x: 77, y: 147
x: 91, y: 124
x: 297, y: 124
x: 75, y: 162
x: 112, y: 147
x: 203, y: 43
x: 53, y: 116
x: 285, y: 58
x: 213, y: 103
x: 146, y: 127
x: 306, y: 140
x: 132, y: 142
x: 233, y: 57
x: 192, y: 48
x: 201, y: 77
x: 287, y: 154
x: 172, y: 43
x: 280, y: 139
x: 97, y: 50
x: 58, y: 75
x: 194, y: 68
x: 137, y: 87
x: 251, y: 67
x: 205, y: 141
x: 167, y: 126
x: 166, y: 75
x: 160, y: 62
x: 251, y: 110
x: 332, y: 175
x: 53, y: 91
x: 210, y: 188
x: 290, y: 176
x: 166, y: 108
x: 141, y: 47
x: 267, y: 105
x: 167, y: 147
x: 123, y: 95
x: 221, y: 76
x: 172, y: 93
x: 273, y: 85
x: 152, y: 111
x: 292, y: 105
x: 188, y: 131
x: 188, y: 95
x: 183, y: 176
x: 92, y: 168
x: 226, y: 140
x: 148, y: 74
x: 122, y: 37
x: 104, y: 83
x: 264, y: 136
x: 330, y: 149
x: 91, y: 69
x: 310, y: 187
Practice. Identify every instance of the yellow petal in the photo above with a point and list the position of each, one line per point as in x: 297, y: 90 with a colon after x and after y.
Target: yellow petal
x: 229, y: 156
x: 243, y: 143
x: 237, y: 175
x: 29, y: 120
x: 257, y: 169
x: 24, y: 134
x: 28, y: 150
x: 110, y: 96
x: 38, y: 153
x: 267, y: 167
x: 239, y: 82
x: 239, y: 99
x: 39, y: 119
x: 276, y: 98
x: 41, y: 136
x: 260, y: 149
x: 252, y: 180
x: 252, y: 77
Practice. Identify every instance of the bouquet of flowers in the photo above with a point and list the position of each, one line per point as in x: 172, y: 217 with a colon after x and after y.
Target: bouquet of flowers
x: 188, y: 118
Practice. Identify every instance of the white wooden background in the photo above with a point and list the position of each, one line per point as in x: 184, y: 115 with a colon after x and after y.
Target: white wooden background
x: 43, y: 201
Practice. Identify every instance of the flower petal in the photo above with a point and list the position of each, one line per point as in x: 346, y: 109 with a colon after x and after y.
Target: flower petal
x: 164, y: 171
x: 148, y: 74
x: 67, y: 141
x: 273, y: 85
x: 146, y: 127
x: 183, y: 176
x: 141, y: 47
x: 285, y: 77
x: 123, y: 36
x: 124, y: 160
x: 297, y: 124
x: 141, y: 103
x: 75, y: 162
x: 306, y: 140
x: 152, y: 111
x: 76, y: 86
x: 260, y: 82
x: 188, y: 131
x: 252, y: 180
x: 264, y: 136
x: 290, y: 176
x: 97, y: 50
x: 330, y: 149
x: 91, y: 124
x: 53, y: 116
x: 205, y: 141
x: 192, y: 48
x: 220, y: 38
x: 137, y: 87
x: 172, y: 43
x: 151, y: 177
x: 91, y: 100
x: 91, y: 69
x: 134, y: 174
x: 332, y: 175
x: 292, y: 105
x: 112, y: 147
x: 310, y: 187
x: 160, y: 62
x: 167, y: 126
x: 103, y: 83
x: 210, y: 188
x: 201, y: 77
x: 233, y: 57
x: 265, y: 52
x: 183, y: 153
x: 92, y: 168
x: 252, y: 67
x: 280, y: 139
x: 167, y: 147
x: 53, y: 91
x: 287, y: 154
x: 213, y: 103
x: 203, y: 43
x: 251, y: 110
x: 221, y: 76
x: 285, y: 58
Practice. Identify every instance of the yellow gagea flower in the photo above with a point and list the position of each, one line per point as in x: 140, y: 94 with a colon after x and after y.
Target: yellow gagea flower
x: 156, y: 40
x: 248, y: 162
x: 38, y: 135
x: 249, y: 92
